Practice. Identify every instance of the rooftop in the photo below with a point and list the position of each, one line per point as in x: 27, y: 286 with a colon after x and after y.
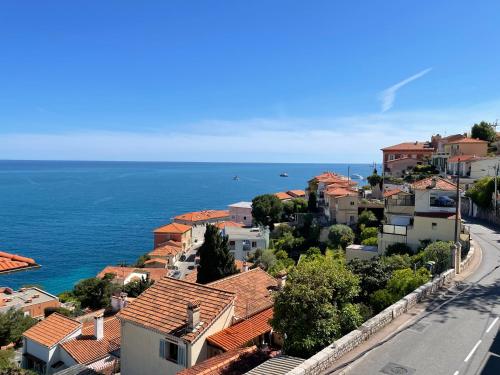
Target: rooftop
x: 468, y: 140
x: 163, y: 307
x: 241, y: 204
x: 277, y: 366
x: 121, y: 273
x: 410, y: 146
x: 281, y: 195
x: 457, y: 158
x: 390, y: 193
x: 224, y: 224
x: 173, y: 228
x: 166, y: 249
x: 191, y: 277
x: 435, y: 183
x: 340, y: 191
x: 52, y: 330
x: 241, y: 333
x: 23, y: 297
x: 197, y: 216
x: 12, y: 262
x: 86, y: 349
x: 252, y: 289
x: 296, y: 193
x: 239, y: 233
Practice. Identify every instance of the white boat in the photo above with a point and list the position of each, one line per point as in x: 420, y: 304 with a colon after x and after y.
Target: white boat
x: 356, y: 176
x: 236, y: 178
x: 284, y: 174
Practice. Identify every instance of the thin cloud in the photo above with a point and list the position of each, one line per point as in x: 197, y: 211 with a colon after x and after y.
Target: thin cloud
x: 388, y: 96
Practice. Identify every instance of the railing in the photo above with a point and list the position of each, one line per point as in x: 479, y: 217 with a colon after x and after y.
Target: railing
x: 400, y: 230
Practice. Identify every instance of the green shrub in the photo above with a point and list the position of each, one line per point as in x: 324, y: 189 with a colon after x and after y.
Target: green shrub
x: 371, y: 241
x: 440, y: 253
x: 398, y: 248
x: 381, y: 299
x: 368, y: 232
x: 341, y: 235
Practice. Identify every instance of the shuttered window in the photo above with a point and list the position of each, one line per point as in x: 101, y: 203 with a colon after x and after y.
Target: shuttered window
x: 173, y: 352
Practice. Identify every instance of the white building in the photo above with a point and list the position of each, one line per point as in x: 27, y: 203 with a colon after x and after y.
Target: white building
x: 243, y: 241
x: 241, y: 212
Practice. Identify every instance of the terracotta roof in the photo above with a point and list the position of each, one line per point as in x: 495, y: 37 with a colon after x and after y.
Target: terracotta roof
x: 296, y: 193
x: 223, y: 224
x: 409, y: 146
x: 11, y: 262
x: 340, y: 191
x: 404, y: 158
x: 440, y: 184
x: 217, y: 364
x: 156, y: 260
x: 468, y: 140
x: 192, y: 276
x: 52, y: 330
x: 124, y: 272
x: 389, y: 193
x: 165, y: 250
x: 163, y: 307
x: 197, y: 216
x: 282, y: 195
x: 86, y: 349
x: 173, y: 228
x: 334, y: 178
x: 455, y: 159
x: 252, y: 289
x: 242, y: 332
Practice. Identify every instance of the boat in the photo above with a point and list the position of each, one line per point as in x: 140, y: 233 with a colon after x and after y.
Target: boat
x: 236, y: 178
x: 284, y: 174
x: 356, y: 176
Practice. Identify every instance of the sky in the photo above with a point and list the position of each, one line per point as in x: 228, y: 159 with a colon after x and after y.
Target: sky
x: 249, y: 81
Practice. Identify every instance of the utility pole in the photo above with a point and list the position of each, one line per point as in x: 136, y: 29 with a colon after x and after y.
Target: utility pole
x: 457, y: 203
x: 496, y: 187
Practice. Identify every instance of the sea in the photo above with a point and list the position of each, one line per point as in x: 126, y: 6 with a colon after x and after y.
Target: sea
x: 76, y: 217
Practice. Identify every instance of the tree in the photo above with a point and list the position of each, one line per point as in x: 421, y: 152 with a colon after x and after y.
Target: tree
x: 13, y: 323
x: 439, y: 252
x: 374, y: 179
x: 312, y: 202
x: 216, y: 261
x: 313, y: 308
x: 60, y: 310
x: 371, y: 241
x: 484, y: 131
x: 373, y: 275
x: 481, y: 192
x: 368, y: 233
x: 293, y: 246
x: 381, y: 299
x: 135, y: 287
x: 294, y: 206
x: 341, y: 235
x: 367, y: 219
x: 267, y: 209
x: 397, y: 261
x: 398, y: 248
x: 406, y: 281
x: 94, y: 293
x: 142, y: 260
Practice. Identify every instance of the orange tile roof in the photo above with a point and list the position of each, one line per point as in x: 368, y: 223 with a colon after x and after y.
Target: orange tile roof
x: 163, y: 307
x: 409, y: 146
x: 456, y: 158
x: 156, y: 260
x: 197, y: 216
x: 124, y: 272
x: 52, y: 330
x: 173, y: 228
x: 340, y: 191
x: 11, y: 262
x: 296, y: 193
x: 282, y: 195
x: 165, y: 250
x: 223, y: 224
x: 389, y: 193
x: 86, y: 349
x: 468, y: 140
x: 441, y: 184
x: 216, y: 365
x: 252, y: 289
x: 242, y: 332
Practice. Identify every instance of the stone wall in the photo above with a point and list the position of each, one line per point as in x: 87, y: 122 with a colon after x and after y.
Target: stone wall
x: 326, y: 358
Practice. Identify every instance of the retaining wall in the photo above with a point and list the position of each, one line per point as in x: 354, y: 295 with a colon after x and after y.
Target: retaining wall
x: 325, y: 359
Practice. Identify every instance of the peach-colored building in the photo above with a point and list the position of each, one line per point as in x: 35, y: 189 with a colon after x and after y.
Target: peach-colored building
x: 467, y: 146
x: 173, y: 232
x: 418, y: 152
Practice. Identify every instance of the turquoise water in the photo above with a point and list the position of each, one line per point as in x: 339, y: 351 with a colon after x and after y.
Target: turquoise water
x: 74, y: 218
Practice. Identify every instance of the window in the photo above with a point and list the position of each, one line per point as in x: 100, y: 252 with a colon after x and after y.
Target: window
x: 352, y: 203
x: 434, y: 226
x: 244, y: 217
x: 232, y: 243
x: 254, y: 243
x: 173, y: 352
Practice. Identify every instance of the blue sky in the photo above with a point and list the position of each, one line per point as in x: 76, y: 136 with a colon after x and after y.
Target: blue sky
x: 323, y: 81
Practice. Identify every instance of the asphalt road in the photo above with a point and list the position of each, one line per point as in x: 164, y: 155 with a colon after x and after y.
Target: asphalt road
x: 458, y: 334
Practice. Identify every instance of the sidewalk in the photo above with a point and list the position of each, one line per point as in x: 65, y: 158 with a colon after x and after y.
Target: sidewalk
x: 342, y: 366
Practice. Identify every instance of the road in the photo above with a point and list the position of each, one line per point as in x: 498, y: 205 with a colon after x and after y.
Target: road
x: 457, y: 334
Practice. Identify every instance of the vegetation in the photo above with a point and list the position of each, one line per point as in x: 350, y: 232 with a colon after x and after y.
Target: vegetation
x: 372, y: 241
x: 481, y: 192
x: 398, y: 248
x: 12, y: 325
x: 341, y: 235
x: 294, y: 206
x: 140, y: 263
x: 315, y: 306
x: 267, y: 209
x: 94, y: 293
x: 135, y: 287
x: 374, y: 179
x: 373, y: 275
x: 14, y: 370
x: 312, y: 202
x: 367, y: 219
x: 484, y: 131
x: 440, y: 253
x: 264, y: 259
x: 369, y: 236
x: 216, y: 261
x: 60, y: 310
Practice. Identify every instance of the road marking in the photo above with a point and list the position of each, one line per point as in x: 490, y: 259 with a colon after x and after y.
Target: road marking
x: 492, y: 324
x: 472, y: 351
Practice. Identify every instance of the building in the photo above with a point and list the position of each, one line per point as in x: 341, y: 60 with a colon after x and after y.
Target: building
x: 12, y: 263
x: 169, y: 251
x: 398, y: 158
x: 426, y: 212
x: 179, y: 233
x: 440, y: 156
x: 32, y: 301
x: 282, y: 196
x: 471, y: 168
x: 60, y: 342
x: 467, y: 146
x: 198, y: 221
x: 320, y: 183
x: 166, y: 329
x: 124, y: 275
x: 241, y: 212
x: 297, y: 193
x: 341, y: 205
x: 243, y: 241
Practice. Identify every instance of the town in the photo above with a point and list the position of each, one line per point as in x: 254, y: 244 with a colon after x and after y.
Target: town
x: 287, y: 283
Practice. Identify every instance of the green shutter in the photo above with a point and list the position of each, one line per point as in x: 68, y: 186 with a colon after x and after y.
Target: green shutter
x: 162, y: 349
x: 181, y: 355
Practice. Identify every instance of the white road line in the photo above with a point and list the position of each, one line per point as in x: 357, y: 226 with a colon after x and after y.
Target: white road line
x: 472, y: 351
x: 492, y: 324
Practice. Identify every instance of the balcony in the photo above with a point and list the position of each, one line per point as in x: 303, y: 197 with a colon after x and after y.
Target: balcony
x: 400, y: 230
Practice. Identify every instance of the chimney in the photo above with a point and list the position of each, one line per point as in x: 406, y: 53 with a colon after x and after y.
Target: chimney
x: 245, y: 266
x: 433, y: 183
x: 99, y: 326
x: 118, y: 301
x: 193, y: 315
x: 281, y: 277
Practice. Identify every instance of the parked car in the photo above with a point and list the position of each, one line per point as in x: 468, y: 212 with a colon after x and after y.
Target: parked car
x: 444, y: 201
